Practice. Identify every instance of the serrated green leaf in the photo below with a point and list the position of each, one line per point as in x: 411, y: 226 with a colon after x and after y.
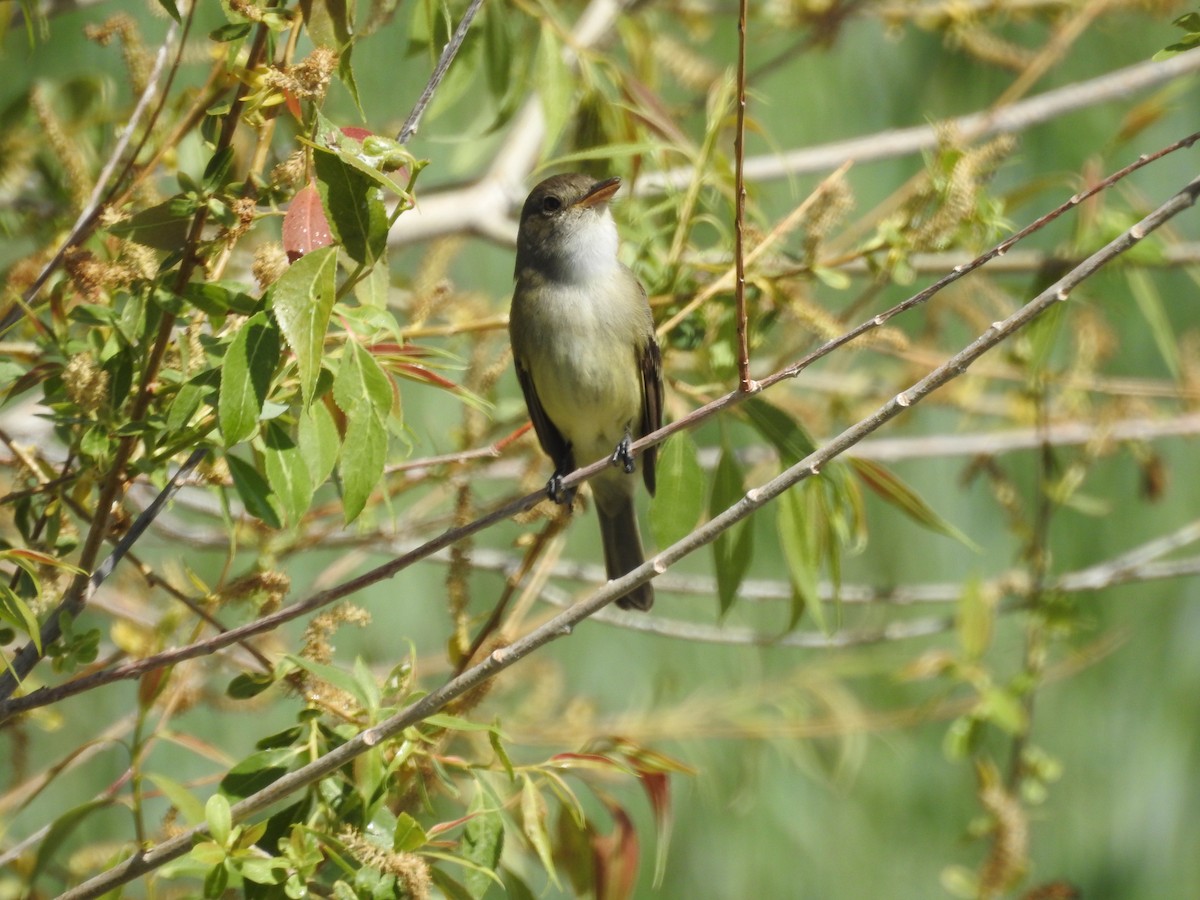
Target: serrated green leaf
x: 302, y: 303
x: 287, y: 474
x: 245, y: 378
x: 482, y: 844
x: 679, y: 501
x: 219, y: 818
x: 734, y: 548
x: 892, y: 490
x: 352, y: 204
x: 363, y: 392
x: 253, y: 490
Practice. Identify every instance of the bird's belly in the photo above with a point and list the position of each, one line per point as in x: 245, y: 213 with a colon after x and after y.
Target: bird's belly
x: 590, y: 388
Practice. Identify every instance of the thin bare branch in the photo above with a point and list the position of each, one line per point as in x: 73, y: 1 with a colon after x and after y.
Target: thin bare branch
x: 439, y: 72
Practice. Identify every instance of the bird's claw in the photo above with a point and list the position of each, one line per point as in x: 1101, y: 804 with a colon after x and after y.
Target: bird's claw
x: 557, y: 493
x: 622, y: 456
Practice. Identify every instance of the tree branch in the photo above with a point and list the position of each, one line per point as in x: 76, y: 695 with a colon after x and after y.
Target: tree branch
x: 563, y: 624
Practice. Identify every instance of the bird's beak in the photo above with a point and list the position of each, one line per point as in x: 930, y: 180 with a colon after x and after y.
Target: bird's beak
x: 600, y: 192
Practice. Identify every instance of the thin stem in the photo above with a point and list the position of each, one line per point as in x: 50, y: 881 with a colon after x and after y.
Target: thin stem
x: 739, y: 214
x: 443, y: 66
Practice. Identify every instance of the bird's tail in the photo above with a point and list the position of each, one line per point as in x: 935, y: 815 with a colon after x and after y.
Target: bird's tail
x: 623, y: 547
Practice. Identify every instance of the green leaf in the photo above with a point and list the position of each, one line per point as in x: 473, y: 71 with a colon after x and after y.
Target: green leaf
x: 555, y: 85
x: 302, y: 303
x: 353, y: 206
x: 17, y: 613
x: 788, y: 436
x: 171, y: 9
x: 189, y: 397
x: 975, y: 620
x: 1149, y: 303
x: 245, y: 378
x: 891, y: 489
x: 482, y: 844
x: 219, y: 818
x: 408, y: 834
x: 363, y: 392
x: 248, y: 684
x: 734, y: 548
x: 338, y: 678
x: 319, y: 442
x: 533, y: 823
x: 181, y: 798
x: 253, y: 489
x: 60, y: 829
x: 798, y: 552
x: 287, y: 474
x: 258, y: 770
x: 679, y: 500
x: 163, y: 227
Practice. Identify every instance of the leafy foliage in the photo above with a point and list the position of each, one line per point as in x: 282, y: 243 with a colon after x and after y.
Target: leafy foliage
x: 243, y: 282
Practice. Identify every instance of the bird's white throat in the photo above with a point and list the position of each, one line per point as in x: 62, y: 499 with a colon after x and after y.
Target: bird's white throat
x: 589, y: 250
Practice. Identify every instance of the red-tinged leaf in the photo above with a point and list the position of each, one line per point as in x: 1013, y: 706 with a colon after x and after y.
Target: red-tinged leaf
x: 305, y: 227
x: 588, y: 761
x: 292, y: 103
x: 355, y: 133
x: 420, y: 373
x: 658, y: 789
x: 891, y: 489
x: 616, y: 857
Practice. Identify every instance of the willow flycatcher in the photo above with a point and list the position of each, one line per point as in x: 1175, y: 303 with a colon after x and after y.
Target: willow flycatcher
x: 589, y: 366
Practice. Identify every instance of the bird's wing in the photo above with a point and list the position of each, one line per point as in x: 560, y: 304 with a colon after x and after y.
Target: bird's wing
x: 551, y: 439
x: 652, y: 394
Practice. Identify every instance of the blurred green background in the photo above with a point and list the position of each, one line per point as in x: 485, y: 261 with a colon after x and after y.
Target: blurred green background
x: 874, y: 808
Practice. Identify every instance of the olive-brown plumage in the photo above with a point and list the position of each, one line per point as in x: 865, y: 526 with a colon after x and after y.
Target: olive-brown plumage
x: 589, y: 366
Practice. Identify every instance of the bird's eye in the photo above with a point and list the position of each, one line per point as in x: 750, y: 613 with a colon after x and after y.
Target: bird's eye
x: 551, y: 204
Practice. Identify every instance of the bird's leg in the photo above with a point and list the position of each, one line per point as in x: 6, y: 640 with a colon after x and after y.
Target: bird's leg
x: 622, y: 456
x: 554, y: 487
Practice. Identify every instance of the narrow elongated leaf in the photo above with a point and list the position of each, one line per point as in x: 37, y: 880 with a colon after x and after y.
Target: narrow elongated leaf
x: 353, y: 206
x: 803, y: 568
x: 59, y: 831
x: 303, y: 300
x: 788, y: 436
x: 245, y: 378
x: 533, y: 823
x: 679, y: 500
x: 888, y: 486
x: 555, y: 85
x: 734, y: 548
x: 363, y: 392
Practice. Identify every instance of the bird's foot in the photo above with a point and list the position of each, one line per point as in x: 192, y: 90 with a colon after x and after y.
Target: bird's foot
x: 557, y: 493
x: 622, y: 456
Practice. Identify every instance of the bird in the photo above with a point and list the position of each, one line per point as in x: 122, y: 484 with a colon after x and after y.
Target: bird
x: 586, y: 357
